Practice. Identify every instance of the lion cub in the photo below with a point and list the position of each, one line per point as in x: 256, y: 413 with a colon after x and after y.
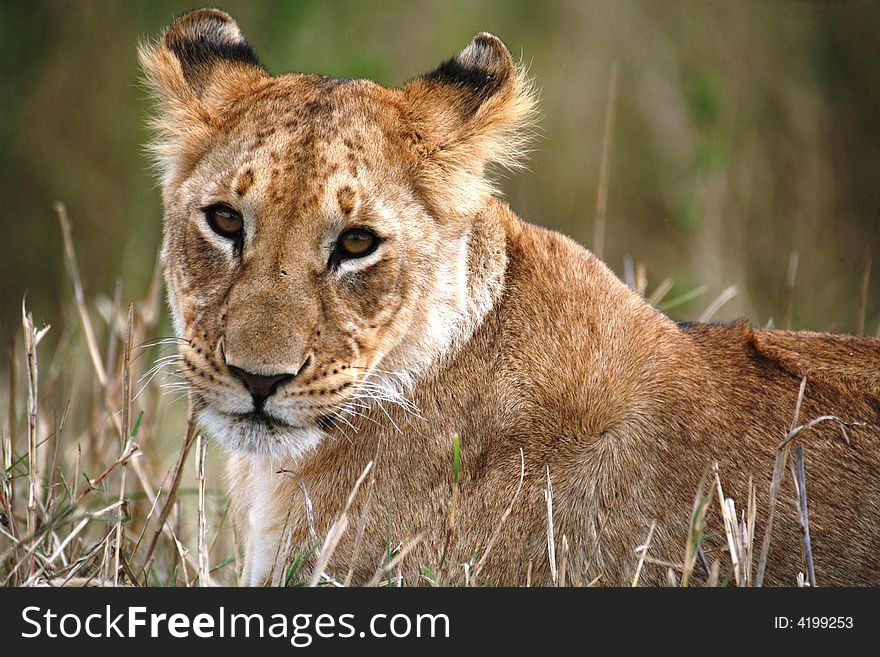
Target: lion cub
x: 350, y: 289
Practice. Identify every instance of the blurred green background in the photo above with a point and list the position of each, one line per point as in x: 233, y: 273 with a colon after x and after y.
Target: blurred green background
x: 745, y: 131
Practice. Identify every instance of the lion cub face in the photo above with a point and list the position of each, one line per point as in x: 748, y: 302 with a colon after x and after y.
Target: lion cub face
x: 318, y: 232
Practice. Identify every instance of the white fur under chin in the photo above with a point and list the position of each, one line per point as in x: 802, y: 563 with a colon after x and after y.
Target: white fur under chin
x: 253, y: 438
x: 260, y: 552
x: 262, y: 541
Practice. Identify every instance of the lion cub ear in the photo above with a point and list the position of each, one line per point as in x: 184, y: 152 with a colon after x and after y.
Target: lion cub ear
x: 474, y: 110
x: 199, y: 64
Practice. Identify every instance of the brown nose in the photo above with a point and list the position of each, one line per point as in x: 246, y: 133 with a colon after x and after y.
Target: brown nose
x: 260, y: 386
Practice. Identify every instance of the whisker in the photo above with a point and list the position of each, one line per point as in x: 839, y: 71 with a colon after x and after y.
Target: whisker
x: 335, y: 416
x: 382, y: 408
x: 381, y: 394
x: 346, y: 409
x: 164, y: 340
x: 158, y: 365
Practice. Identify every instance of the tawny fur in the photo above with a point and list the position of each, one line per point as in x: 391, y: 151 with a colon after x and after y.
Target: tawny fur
x: 468, y: 322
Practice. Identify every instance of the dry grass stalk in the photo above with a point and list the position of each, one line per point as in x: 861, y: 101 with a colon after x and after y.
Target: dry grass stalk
x: 695, y: 533
x: 740, y: 535
x: 798, y: 473
x: 504, y: 516
x: 79, y: 297
x: 331, y: 541
x: 779, y: 467
x: 728, y: 515
x: 124, y: 443
x: 310, y: 510
x: 185, y: 565
x: 641, y: 278
x: 337, y: 529
x: 360, y: 532
x: 204, y: 560
x: 661, y: 562
x: 113, y: 325
x: 56, y: 449
x: 70, y: 573
x: 775, y: 483
x: 162, y: 521
x: 31, y: 375
x: 94, y: 484
x: 629, y: 272
x: 605, y: 164
x: 31, y: 544
x: 8, y: 489
x: 32, y: 338
x: 643, y: 551
x: 788, y: 299
x: 551, y: 540
x: 749, y: 532
x: 59, y: 551
x: 726, y: 295
x: 386, y: 568
x: 563, y: 563
x: 364, y: 515
x: 603, y: 524
x: 283, y: 553
x: 714, y: 572
x: 660, y: 291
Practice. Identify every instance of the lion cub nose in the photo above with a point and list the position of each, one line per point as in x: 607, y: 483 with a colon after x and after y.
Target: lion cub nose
x: 260, y: 386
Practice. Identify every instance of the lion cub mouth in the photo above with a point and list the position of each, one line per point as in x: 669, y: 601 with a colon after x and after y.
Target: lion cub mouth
x: 259, y: 433
x: 265, y: 419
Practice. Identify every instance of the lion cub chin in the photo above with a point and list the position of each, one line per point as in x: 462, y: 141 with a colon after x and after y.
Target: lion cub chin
x: 351, y: 294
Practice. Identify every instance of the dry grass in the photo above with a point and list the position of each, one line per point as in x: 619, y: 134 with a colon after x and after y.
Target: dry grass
x: 84, y: 448
x: 98, y: 488
x: 605, y: 164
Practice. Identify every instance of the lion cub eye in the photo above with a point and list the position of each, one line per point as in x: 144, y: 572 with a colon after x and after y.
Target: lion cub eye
x: 356, y: 243
x: 224, y: 221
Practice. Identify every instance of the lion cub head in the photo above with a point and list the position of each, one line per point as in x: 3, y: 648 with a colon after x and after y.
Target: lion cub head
x: 322, y: 236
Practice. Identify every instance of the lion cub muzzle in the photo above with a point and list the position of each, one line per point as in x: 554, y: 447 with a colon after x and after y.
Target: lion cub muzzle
x: 262, y: 386
x: 264, y: 350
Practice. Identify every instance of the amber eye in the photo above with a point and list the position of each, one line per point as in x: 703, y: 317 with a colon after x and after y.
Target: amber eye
x: 224, y: 221
x: 356, y: 243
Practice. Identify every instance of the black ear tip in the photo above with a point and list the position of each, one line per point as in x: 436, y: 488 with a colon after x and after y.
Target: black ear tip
x: 489, y: 40
x: 204, y: 36
x: 489, y: 52
x: 206, y: 15
x: 204, y: 24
